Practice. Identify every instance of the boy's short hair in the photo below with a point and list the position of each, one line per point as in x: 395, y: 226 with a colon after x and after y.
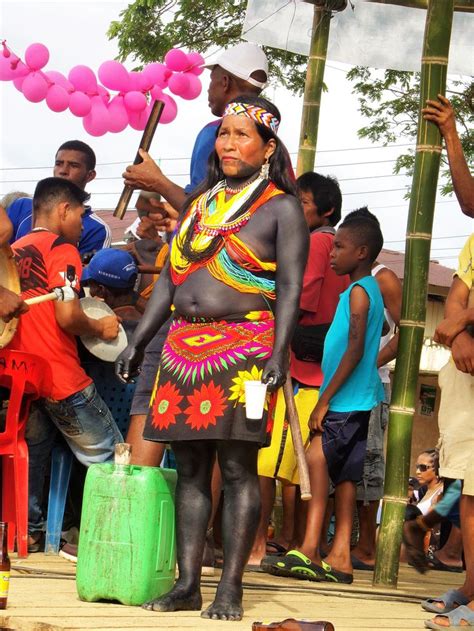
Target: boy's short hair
x: 365, y: 230
x: 53, y: 190
x: 78, y: 145
x: 326, y: 193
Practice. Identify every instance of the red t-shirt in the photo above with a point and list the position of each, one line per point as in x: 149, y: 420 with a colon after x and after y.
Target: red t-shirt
x: 319, y: 299
x: 46, y: 261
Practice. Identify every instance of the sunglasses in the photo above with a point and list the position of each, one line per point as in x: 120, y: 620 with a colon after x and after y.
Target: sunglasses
x: 423, y: 467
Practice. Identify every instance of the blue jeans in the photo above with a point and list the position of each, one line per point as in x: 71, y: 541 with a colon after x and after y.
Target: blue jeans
x: 89, y: 429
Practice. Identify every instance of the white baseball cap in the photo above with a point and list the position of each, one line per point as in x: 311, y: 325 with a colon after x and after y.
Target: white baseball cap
x: 241, y: 61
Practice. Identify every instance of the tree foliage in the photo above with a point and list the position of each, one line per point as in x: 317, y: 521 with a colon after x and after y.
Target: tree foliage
x: 147, y: 29
x: 390, y: 100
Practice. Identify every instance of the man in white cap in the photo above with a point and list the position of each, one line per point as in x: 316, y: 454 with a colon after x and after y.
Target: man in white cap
x: 241, y: 69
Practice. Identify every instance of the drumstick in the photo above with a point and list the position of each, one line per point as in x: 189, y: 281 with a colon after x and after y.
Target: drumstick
x: 62, y: 294
x: 145, y: 143
x: 292, y: 415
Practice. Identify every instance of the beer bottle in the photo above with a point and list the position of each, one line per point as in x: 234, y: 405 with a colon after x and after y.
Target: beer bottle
x: 4, y: 566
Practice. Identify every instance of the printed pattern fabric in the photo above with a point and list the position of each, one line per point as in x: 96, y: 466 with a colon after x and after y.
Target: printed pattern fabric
x: 199, y: 390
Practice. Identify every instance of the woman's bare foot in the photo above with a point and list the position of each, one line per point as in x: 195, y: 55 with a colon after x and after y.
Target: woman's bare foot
x: 227, y: 604
x: 178, y: 599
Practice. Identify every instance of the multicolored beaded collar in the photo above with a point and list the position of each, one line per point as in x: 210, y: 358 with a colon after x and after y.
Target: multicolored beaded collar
x: 256, y: 113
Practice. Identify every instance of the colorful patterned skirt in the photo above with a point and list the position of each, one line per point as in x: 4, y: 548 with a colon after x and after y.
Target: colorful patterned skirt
x: 199, y: 389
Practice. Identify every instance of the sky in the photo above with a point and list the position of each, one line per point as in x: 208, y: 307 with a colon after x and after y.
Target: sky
x: 75, y: 33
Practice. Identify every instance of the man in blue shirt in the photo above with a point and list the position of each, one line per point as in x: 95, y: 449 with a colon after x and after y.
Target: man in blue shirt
x: 241, y: 69
x: 75, y: 161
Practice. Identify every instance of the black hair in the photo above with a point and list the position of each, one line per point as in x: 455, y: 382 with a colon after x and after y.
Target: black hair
x: 365, y: 230
x: 326, y: 194
x: 53, y: 190
x: 78, y: 145
x: 279, y: 163
x: 117, y: 292
x: 434, y: 455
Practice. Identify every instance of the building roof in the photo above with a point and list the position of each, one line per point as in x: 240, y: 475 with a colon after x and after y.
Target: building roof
x: 439, y: 277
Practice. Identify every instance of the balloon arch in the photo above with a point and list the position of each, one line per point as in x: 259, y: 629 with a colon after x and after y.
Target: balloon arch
x: 101, y: 110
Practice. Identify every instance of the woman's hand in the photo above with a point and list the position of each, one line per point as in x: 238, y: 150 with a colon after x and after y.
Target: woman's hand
x: 274, y: 372
x: 127, y: 364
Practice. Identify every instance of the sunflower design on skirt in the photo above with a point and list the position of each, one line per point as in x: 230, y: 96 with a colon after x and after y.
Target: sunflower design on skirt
x: 166, y: 406
x: 238, y: 389
x: 205, y: 405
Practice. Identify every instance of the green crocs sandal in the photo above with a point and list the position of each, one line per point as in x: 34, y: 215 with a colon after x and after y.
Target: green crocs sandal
x: 296, y: 565
x: 335, y: 576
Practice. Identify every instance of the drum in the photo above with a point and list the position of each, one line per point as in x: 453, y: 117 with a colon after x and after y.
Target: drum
x: 10, y: 280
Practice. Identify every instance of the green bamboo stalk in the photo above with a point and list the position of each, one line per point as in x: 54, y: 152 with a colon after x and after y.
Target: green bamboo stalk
x: 313, y: 90
x: 417, y: 255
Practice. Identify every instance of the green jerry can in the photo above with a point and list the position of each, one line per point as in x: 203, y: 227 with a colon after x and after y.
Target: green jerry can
x: 127, y: 548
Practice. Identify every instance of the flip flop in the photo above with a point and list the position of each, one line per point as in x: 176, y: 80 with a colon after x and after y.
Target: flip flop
x: 278, y: 550
x: 335, y: 576
x: 357, y: 564
x: 435, y: 564
x: 451, y: 600
x: 251, y: 567
x: 455, y: 619
x: 297, y: 565
x: 268, y: 561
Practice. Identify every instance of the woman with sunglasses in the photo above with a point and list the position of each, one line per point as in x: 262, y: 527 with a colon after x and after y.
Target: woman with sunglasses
x: 428, y: 478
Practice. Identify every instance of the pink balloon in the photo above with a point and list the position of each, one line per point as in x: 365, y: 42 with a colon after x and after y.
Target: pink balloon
x: 195, y: 63
x: 12, y: 68
x: 176, y: 60
x: 134, y: 78
x: 104, y: 94
x: 97, y: 123
x: 194, y: 88
x: 118, y: 115
x: 57, y: 98
x: 36, y: 56
x: 138, y: 120
x: 83, y: 79
x: 170, y: 110
x: 114, y: 76
x: 80, y: 104
x: 18, y: 83
x: 135, y: 101
x: 156, y: 93
x: 178, y: 84
x: 158, y: 74
x: 35, y: 87
x: 59, y: 79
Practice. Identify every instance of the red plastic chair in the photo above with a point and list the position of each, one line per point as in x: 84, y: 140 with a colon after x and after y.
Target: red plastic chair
x: 28, y: 377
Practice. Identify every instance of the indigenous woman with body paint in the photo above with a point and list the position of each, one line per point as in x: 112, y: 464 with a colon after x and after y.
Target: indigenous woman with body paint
x: 233, y: 281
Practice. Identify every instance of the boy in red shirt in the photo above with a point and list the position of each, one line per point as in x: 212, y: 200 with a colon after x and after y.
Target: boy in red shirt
x: 47, y: 258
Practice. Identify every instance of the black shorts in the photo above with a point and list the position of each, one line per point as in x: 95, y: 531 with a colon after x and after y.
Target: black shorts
x: 344, y: 443
x: 149, y: 368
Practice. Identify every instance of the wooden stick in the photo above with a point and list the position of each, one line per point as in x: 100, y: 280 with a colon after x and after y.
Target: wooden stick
x: 145, y: 144
x: 44, y: 298
x: 292, y: 415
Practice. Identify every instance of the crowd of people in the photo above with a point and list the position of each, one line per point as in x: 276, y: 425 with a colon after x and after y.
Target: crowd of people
x: 247, y: 273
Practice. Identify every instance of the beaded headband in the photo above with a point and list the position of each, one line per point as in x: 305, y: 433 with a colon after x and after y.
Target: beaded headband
x: 256, y: 113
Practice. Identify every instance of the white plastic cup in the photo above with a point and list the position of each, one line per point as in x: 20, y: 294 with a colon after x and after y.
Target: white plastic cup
x: 255, y: 392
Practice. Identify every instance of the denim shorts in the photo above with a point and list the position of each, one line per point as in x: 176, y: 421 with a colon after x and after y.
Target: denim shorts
x: 370, y: 488
x: 344, y: 443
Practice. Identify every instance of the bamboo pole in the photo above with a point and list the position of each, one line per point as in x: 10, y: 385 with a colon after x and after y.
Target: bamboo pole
x: 420, y: 222
x: 313, y: 90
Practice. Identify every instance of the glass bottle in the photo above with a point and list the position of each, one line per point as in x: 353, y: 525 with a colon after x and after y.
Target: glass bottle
x: 4, y: 566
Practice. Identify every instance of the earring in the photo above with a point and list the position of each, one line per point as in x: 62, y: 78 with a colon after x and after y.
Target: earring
x: 265, y: 170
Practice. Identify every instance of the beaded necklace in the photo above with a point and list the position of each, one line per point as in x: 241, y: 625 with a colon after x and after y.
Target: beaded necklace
x: 232, y: 262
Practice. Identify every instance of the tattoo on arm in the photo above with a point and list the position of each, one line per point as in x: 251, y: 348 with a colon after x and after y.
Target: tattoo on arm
x: 354, y: 326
